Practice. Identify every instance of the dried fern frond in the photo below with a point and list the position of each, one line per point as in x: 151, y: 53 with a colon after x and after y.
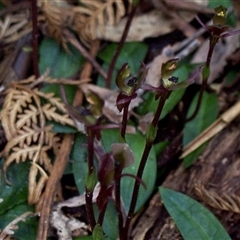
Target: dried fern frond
x: 93, y: 15
x: 30, y: 138
x: 15, y: 26
x: 84, y: 19
x: 56, y: 14
x: 225, y: 202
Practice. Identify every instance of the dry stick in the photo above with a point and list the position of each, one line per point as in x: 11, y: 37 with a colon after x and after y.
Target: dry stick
x: 60, y: 162
x: 85, y: 53
x: 16, y: 7
x: 56, y: 174
x: 119, y: 47
x: 187, y: 6
x: 35, y: 38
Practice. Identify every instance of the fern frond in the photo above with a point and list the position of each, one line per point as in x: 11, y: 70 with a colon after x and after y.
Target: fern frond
x: 94, y: 15
x: 51, y: 114
x: 57, y: 102
x: 25, y: 137
x: 225, y: 202
x: 28, y: 117
x: 21, y: 155
x: 14, y: 102
x: 56, y: 16
x: 35, y: 187
x: 24, y: 118
x: 85, y: 19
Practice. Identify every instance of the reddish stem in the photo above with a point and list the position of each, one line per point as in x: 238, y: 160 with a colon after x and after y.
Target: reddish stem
x: 142, y: 164
x: 89, y: 192
x: 119, y: 47
x: 35, y: 38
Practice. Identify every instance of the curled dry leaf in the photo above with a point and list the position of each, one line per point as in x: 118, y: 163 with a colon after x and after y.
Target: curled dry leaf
x: 24, y: 120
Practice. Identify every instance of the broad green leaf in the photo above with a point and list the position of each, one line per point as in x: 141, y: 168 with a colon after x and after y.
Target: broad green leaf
x: 110, y: 223
x: 214, y: 4
x: 79, y: 161
x: 193, y: 220
x: 16, y: 193
x: 132, y: 53
x: 27, y: 228
x: 206, y: 116
x: 189, y: 159
x: 58, y: 128
x: 136, y: 143
x: 61, y: 64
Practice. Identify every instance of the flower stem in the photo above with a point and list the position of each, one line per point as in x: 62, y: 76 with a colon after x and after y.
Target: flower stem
x: 212, y: 44
x: 35, y: 38
x: 118, y: 206
x: 119, y: 47
x: 124, y: 120
x: 89, y: 190
x: 142, y: 164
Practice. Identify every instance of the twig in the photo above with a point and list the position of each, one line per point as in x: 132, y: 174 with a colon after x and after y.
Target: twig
x: 35, y: 38
x: 57, y: 171
x: 16, y: 7
x: 119, y: 47
x: 85, y: 53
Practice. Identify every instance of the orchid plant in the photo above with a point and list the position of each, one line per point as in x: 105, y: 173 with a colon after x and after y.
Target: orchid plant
x: 217, y: 30
x: 109, y: 170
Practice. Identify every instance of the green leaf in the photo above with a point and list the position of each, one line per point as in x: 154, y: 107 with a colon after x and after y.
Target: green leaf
x: 193, y: 220
x: 79, y: 161
x: 54, y: 88
x: 136, y: 143
x: 17, y: 193
x: 206, y: 115
x: 27, y: 228
x: 190, y: 159
x: 132, y: 53
x: 151, y: 133
x: 58, y: 128
x: 214, y: 4
x: 97, y: 232
x: 110, y: 223
x: 61, y: 64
